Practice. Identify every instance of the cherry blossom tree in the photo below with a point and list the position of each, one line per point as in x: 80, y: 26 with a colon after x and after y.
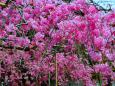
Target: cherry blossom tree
x: 56, y: 43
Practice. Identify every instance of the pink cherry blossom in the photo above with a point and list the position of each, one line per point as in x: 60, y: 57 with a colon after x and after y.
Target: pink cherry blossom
x: 56, y: 42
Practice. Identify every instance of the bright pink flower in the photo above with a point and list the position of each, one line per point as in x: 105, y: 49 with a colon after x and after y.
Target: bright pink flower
x: 2, y: 33
x: 39, y: 36
x: 81, y: 1
x: 5, y: 14
x: 92, y: 9
x: 23, y: 42
x: 104, y: 69
x: 110, y: 56
x: 34, y: 34
x: 99, y: 42
x: 96, y: 56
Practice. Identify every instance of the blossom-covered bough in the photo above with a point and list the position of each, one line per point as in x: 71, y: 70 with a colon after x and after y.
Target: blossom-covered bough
x: 56, y: 43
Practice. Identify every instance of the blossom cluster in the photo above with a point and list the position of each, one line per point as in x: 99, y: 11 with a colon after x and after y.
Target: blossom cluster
x: 55, y: 42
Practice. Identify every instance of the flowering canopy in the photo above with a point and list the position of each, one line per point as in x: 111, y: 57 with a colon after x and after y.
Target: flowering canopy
x: 55, y: 42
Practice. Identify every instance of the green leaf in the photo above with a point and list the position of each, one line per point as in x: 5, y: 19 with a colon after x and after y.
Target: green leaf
x: 68, y: 1
x: 31, y: 34
x: 8, y: 1
x: 73, y: 83
x: 18, y: 34
x: 1, y: 42
x: 21, y: 61
x: 57, y: 49
x: 52, y: 83
x: 2, y: 4
x: 82, y: 53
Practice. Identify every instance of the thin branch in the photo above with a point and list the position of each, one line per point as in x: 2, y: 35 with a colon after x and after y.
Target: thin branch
x: 5, y: 4
x: 113, y: 25
x: 99, y: 7
x: 12, y: 47
x: 17, y: 48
